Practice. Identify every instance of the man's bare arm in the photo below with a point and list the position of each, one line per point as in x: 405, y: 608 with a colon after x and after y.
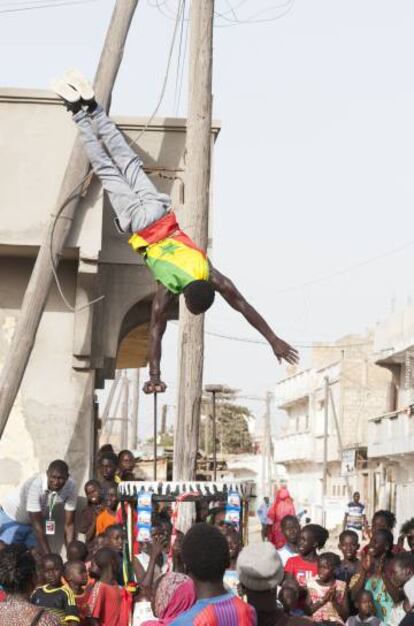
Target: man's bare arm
x: 69, y: 526
x: 231, y: 294
x: 158, y: 324
x: 38, y: 525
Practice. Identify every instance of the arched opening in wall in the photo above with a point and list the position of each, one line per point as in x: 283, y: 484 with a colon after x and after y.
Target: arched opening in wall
x: 118, y: 402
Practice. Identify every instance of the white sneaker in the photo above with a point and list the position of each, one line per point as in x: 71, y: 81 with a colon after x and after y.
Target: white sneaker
x: 65, y: 91
x: 77, y: 80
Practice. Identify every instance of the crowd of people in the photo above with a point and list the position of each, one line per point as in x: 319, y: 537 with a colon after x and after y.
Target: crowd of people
x: 203, y: 578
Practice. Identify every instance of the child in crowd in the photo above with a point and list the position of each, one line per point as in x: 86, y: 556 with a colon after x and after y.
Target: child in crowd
x: 53, y: 596
x: 77, y: 551
x: 407, y: 533
x: 102, y: 600
x: 350, y: 564
x: 107, y: 516
x: 87, y: 518
x: 231, y: 579
x: 114, y: 539
x: 77, y: 578
x: 305, y: 565
x: 327, y: 599
x: 291, y: 531
x: 126, y: 465
x: 383, y: 520
x: 289, y: 598
x: 366, y: 611
x: 375, y: 575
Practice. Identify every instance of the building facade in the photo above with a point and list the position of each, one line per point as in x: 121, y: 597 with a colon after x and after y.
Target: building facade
x: 391, y: 433
x: 324, y: 445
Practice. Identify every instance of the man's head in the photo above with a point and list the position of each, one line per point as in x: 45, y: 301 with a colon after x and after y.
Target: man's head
x: 266, y: 500
x: 383, y: 519
x: 407, y: 530
x: 126, y: 462
x: 291, y: 529
x: 77, y: 551
x: 349, y: 544
x: 57, y: 475
x: 260, y: 567
x: 402, y: 568
x: 52, y: 568
x: 205, y: 553
x: 108, y: 465
x: 356, y: 497
x: 199, y: 296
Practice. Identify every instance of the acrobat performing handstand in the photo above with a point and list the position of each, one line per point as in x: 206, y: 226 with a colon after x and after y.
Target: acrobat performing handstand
x: 177, y: 264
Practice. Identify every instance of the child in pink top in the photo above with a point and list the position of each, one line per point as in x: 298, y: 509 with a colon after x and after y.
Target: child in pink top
x: 327, y: 600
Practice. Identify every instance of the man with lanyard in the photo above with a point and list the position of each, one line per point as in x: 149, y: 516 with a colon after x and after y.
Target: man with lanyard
x: 177, y: 264
x: 27, y: 515
x: 355, y: 518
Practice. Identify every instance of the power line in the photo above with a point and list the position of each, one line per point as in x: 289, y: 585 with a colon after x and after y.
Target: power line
x: 347, y: 269
x: 299, y: 344
x: 285, y: 8
x: 56, y: 4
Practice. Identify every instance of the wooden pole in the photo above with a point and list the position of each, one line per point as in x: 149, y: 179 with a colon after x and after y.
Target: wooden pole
x: 195, y: 222
x: 37, y: 290
x: 110, y: 398
x: 135, y: 408
x: 164, y: 413
x: 155, y: 433
x: 325, y: 449
x: 125, y: 411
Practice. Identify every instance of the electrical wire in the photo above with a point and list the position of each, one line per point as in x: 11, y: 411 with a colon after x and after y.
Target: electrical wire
x: 55, y: 5
x: 347, y: 269
x: 285, y: 8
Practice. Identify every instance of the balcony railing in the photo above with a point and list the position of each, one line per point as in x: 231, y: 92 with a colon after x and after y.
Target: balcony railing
x: 391, y: 434
x: 295, y: 447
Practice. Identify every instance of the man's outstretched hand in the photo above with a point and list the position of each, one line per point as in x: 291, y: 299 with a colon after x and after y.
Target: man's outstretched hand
x: 284, y: 351
x: 154, y: 386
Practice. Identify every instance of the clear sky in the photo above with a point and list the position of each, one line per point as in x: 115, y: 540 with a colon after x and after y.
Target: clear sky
x: 314, y: 167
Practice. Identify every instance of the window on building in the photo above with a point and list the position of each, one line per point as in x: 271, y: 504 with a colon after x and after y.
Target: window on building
x: 343, y: 490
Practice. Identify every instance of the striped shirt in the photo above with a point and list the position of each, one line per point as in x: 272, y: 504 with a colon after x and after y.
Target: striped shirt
x: 227, y: 610
x: 34, y: 497
x: 59, y: 601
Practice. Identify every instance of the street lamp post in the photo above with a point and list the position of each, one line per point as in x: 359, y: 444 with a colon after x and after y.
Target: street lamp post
x: 214, y: 390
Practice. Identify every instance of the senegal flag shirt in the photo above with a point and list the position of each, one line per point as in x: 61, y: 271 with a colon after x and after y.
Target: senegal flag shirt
x: 170, y: 254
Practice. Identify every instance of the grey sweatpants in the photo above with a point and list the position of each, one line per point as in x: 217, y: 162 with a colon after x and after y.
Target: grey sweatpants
x: 134, y: 198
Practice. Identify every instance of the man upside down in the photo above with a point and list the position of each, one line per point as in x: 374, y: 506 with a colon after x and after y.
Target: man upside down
x: 177, y: 264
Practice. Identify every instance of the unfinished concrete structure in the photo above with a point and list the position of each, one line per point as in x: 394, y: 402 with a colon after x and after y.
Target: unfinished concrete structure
x: 55, y: 415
